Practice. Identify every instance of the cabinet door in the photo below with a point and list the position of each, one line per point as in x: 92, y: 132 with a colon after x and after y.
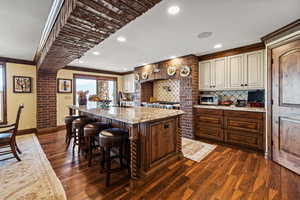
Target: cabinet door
x: 162, y: 139
x: 128, y: 83
x: 235, y: 72
x: 205, y: 75
x: 254, y: 70
x: 132, y: 83
x: 218, y: 74
x: 125, y: 85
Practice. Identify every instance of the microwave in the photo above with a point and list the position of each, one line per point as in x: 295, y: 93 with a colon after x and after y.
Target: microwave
x: 209, y: 99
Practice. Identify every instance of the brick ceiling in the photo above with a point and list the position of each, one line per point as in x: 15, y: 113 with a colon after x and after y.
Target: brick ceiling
x: 83, y: 24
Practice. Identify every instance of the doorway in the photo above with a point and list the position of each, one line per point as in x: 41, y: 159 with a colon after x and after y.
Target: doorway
x: 285, y: 104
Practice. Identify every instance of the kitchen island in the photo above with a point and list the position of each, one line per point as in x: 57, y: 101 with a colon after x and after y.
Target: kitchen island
x: 154, y: 133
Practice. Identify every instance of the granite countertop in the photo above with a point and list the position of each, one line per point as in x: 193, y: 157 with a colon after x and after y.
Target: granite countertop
x: 130, y: 115
x: 249, y: 109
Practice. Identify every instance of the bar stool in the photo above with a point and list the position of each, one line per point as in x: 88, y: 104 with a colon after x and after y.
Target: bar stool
x: 113, y: 137
x: 77, y: 126
x: 91, y: 130
x: 69, y: 131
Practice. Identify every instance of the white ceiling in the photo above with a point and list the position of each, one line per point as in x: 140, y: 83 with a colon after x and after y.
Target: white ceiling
x: 21, y: 26
x: 156, y: 36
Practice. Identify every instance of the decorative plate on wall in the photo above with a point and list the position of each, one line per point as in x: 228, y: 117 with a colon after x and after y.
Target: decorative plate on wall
x: 185, y: 71
x: 137, y: 77
x: 145, y: 75
x: 171, y: 70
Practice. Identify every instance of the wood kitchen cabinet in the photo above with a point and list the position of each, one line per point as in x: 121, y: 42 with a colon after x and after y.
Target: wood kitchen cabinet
x: 209, y: 124
x: 241, y: 128
x: 162, y: 139
x: 238, y: 72
x: 129, y: 83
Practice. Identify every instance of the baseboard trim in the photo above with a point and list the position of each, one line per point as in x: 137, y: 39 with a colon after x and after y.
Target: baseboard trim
x: 26, y: 131
x: 50, y: 130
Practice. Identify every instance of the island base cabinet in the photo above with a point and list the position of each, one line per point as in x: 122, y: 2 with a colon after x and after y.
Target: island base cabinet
x: 162, y: 139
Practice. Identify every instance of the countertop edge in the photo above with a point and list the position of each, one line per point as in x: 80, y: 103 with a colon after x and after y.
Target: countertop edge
x: 246, y: 109
x: 176, y: 113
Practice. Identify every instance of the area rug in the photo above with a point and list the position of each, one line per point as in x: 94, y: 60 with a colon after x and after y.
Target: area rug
x: 32, y: 178
x: 196, y: 150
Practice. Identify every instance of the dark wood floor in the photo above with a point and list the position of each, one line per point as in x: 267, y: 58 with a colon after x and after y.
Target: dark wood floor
x: 226, y: 173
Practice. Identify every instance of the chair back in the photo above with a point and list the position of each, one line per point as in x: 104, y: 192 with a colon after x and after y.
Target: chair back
x: 21, y: 106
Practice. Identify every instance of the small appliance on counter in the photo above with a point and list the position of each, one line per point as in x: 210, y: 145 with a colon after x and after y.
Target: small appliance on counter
x: 226, y: 101
x: 241, y: 103
x: 256, y: 98
x: 206, y: 99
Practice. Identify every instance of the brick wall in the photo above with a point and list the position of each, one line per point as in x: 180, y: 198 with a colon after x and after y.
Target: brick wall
x: 46, y: 100
x: 188, y: 89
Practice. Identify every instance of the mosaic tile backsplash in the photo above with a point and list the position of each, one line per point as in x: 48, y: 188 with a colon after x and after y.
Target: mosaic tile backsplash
x: 167, y: 90
x: 232, y: 95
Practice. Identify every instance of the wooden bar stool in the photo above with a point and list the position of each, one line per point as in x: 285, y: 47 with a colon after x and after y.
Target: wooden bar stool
x: 113, y: 137
x: 91, y: 131
x: 77, y: 126
x: 69, y: 131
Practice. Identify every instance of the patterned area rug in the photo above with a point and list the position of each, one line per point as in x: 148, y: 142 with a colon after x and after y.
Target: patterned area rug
x: 33, y: 177
x: 196, y: 150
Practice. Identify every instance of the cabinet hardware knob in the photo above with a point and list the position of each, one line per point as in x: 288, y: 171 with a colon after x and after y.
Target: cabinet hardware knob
x: 242, y: 84
x: 246, y: 84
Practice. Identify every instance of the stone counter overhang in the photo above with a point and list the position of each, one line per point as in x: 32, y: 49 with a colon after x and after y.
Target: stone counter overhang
x: 247, y: 109
x: 131, y: 115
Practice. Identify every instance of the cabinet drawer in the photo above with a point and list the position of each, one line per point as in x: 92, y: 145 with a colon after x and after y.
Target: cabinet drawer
x: 209, y: 111
x: 210, y: 133
x: 244, y: 139
x: 243, y: 124
x: 243, y: 114
x: 209, y: 120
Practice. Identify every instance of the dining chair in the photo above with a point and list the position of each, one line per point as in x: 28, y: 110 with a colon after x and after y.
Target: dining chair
x: 8, y: 136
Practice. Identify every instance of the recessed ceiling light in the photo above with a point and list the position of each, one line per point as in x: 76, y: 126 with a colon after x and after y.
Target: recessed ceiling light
x: 204, y: 35
x: 173, y: 10
x: 121, y: 39
x: 172, y: 57
x: 96, y: 53
x: 218, y: 46
x: 144, y: 64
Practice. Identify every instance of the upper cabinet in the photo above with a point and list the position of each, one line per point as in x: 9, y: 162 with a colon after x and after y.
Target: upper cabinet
x: 205, y: 75
x: 129, y: 83
x: 238, y: 72
x: 254, y: 70
x: 212, y: 74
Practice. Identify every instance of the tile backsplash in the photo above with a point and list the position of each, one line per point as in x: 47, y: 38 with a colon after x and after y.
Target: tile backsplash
x: 232, y: 95
x: 167, y: 90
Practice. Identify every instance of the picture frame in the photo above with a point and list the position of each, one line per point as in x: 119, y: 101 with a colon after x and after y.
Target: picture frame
x: 22, y: 84
x: 64, y: 85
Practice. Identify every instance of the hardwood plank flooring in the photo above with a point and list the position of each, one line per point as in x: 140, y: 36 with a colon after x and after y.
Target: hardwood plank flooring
x: 226, y: 173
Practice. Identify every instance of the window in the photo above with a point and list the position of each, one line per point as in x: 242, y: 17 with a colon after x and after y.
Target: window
x: 2, y: 94
x: 101, y: 86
